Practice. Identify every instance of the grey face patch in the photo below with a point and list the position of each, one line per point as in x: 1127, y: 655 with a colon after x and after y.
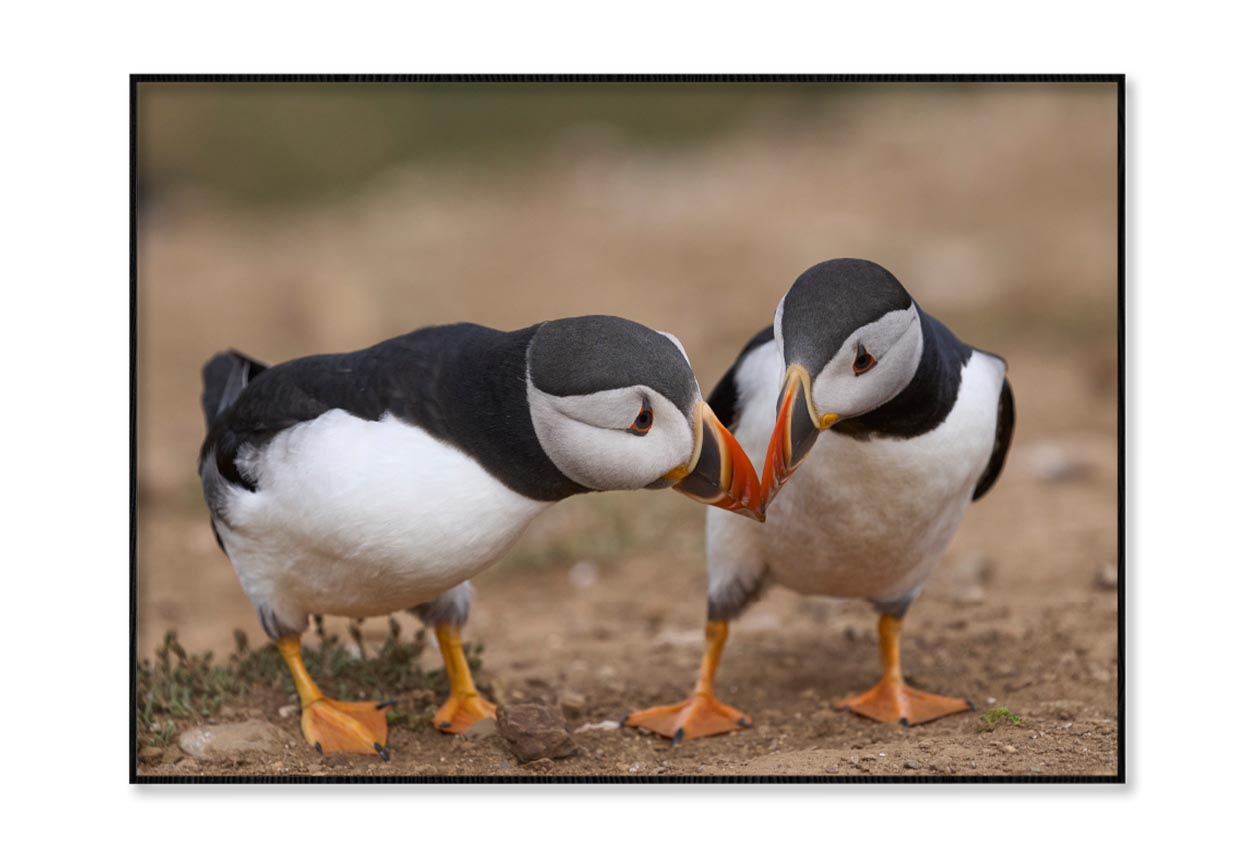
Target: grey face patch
x: 584, y: 355
x: 830, y: 301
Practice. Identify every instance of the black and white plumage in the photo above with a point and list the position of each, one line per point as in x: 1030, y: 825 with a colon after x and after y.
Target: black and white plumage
x: 920, y: 434
x: 362, y: 483
x: 899, y: 426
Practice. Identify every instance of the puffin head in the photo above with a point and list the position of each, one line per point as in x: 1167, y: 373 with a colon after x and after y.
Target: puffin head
x: 851, y: 340
x: 615, y: 406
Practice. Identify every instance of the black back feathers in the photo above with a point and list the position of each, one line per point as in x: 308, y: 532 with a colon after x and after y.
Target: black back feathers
x: 464, y: 384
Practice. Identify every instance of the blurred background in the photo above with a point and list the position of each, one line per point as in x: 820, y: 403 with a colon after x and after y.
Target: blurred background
x: 284, y: 220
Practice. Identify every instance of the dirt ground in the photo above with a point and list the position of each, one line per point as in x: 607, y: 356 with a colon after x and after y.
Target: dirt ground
x: 1007, y: 233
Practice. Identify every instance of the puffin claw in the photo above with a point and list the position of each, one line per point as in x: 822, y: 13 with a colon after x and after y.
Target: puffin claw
x: 382, y: 751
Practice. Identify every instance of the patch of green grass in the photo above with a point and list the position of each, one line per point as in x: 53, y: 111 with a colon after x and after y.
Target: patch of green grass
x: 996, y: 717
x: 180, y: 687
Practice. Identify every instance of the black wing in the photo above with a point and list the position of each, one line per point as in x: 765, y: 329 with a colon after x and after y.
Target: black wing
x: 1000, y: 449
x: 401, y: 375
x: 724, y: 399
x: 463, y: 384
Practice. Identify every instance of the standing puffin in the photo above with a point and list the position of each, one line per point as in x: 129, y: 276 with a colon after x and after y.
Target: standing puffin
x: 362, y: 483
x: 903, y: 426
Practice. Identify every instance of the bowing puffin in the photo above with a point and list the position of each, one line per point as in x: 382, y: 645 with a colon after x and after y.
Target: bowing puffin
x: 900, y: 426
x: 363, y: 483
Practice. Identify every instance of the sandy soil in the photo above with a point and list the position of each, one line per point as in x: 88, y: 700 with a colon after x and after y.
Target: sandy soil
x: 1008, y: 236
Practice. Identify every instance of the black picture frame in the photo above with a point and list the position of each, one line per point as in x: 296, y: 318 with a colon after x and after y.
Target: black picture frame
x: 1120, y: 777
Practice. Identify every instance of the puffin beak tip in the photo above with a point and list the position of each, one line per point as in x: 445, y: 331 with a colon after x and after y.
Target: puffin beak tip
x: 720, y: 473
x: 795, y: 430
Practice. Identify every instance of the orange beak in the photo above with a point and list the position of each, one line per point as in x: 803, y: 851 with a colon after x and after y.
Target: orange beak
x: 719, y: 472
x: 795, y: 431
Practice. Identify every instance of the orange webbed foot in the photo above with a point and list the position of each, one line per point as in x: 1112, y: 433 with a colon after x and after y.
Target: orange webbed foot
x: 700, y: 716
x: 355, y: 727
x: 895, y: 702
x: 460, y: 711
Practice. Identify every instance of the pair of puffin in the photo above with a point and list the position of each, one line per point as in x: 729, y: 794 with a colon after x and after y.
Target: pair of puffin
x: 900, y: 426
x: 363, y: 483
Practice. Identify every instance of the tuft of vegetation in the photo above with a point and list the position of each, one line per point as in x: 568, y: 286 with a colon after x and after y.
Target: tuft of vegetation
x: 997, y: 717
x: 180, y: 688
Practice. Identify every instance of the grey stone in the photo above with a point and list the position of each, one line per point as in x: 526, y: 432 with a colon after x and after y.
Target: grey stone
x: 1107, y: 576
x: 583, y: 574
x: 573, y: 702
x: 1053, y: 463
x: 231, y: 740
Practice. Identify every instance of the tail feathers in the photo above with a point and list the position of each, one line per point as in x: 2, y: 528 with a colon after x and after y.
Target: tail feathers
x: 225, y: 377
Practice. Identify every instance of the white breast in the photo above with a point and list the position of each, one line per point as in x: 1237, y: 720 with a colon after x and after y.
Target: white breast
x: 866, y: 519
x: 361, y: 518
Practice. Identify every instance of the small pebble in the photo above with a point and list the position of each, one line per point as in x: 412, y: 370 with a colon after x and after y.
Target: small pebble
x: 1107, y: 576
x: 1052, y: 463
x: 583, y: 574
x: 912, y: 765
x: 573, y: 702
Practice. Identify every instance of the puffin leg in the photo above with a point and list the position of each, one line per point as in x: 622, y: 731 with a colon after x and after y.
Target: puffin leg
x: 464, y: 707
x: 329, y: 725
x: 702, y: 714
x: 891, y: 700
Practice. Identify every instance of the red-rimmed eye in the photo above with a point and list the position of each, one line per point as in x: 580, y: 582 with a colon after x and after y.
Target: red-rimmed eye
x: 643, y: 421
x: 863, y: 362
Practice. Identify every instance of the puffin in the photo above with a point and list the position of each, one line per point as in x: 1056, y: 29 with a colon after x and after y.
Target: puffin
x: 363, y: 483
x: 885, y: 427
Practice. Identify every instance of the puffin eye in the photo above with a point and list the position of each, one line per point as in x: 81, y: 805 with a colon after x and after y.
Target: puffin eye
x: 643, y: 421
x: 863, y: 362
